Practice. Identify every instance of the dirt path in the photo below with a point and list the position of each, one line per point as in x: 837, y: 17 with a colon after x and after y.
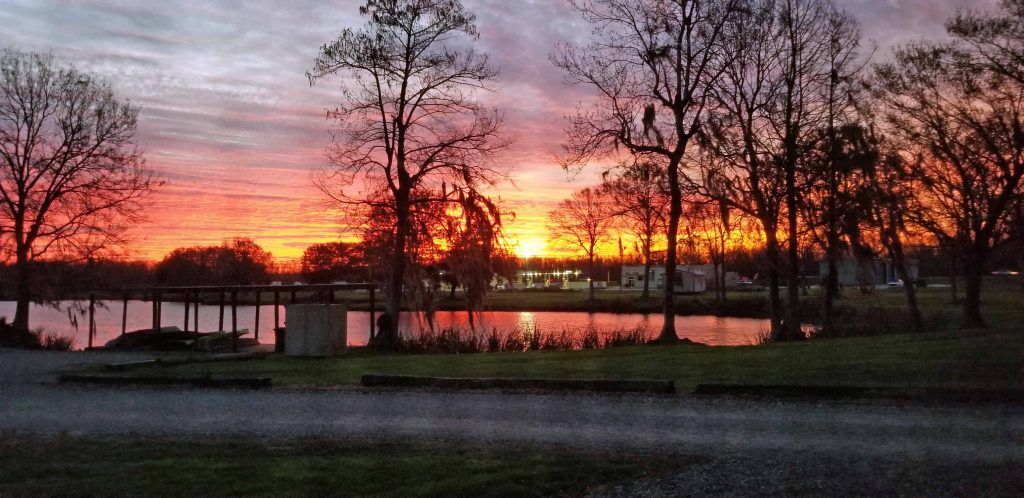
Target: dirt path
x: 30, y: 403
x: 957, y: 436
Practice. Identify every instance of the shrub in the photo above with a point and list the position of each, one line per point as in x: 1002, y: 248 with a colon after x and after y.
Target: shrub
x: 514, y: 341
x: 591, y: 339
x: 55, y: 342
x: 493, y: 341
x: 11, y: 337
x: 763, y: 336
x: 629, y: 337
x: 458, y: 341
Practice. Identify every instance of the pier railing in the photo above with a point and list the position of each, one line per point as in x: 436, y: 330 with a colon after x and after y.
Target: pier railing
x: 228, y: 296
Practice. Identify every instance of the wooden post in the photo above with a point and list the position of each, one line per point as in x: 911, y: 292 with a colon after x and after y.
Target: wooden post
x: 187, y: 303
x: 124, y: 314
x: 373, y: 322
x: 153, y: 317
x: 277, y: 312
x: 195, y: 322
x: 234, y: 320
x: 220, y: 318
x: 257, y: 316
x: 159, y: 313
x: 92, y: 318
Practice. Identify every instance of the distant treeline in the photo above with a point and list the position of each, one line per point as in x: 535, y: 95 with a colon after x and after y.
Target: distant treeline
x: 242, y: 261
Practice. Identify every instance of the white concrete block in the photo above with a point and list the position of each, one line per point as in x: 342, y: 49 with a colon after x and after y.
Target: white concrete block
x: 315, y: 329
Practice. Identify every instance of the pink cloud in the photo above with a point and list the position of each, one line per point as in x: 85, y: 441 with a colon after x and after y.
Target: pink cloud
x: 231, y: 122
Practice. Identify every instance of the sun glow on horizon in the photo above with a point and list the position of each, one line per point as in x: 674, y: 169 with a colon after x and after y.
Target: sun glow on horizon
x: 529, y: 248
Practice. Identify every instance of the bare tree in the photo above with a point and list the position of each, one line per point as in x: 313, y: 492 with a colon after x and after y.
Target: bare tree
x: 734, y: 155
x: 956, y: 110
x: 653, y: 64
x: 775, y: 96
x: 71, y: 178
x: 709, y: 224
x: 409, y: 132
x: 839, y: 203
x: 892, y: 189
x: 639, y: 195
x: 584, y: 221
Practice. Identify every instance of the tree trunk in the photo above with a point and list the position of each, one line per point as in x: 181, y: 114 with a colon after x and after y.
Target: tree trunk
x: 952, y: 281
x: 972, y: 291
x: 647, y: 273
x: 718, y: 283
x: 388, y: 338
x: 791, y: 325
x: 831, y: 284
x: 23, y: 267
x: 723, y: 267
x: 590, y: 271
x: 899, y: 260
x: 774, y: 297
x: 668, y: 329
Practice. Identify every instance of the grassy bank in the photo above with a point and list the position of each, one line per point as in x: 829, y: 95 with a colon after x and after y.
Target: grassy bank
x: 958, y: 359
x: 84, y: 467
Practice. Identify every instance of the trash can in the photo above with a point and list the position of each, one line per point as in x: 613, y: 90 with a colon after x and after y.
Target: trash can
x: 279, y: 335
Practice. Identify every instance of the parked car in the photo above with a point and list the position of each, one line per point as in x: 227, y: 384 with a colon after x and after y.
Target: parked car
x: 895, y: 284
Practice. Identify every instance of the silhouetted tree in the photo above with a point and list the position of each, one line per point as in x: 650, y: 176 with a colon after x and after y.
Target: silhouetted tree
x: 840, y: 202
x: 583, y: 220
x: 331, y: 261
x: 653, y: 64
x: 238, y: 261
x: 776, y: 94
x: 473, y: 239
x: 409, y: 132
x: 638, y: 194
x: 71, y: 179
x: 956, y: 110
x: 710, y: 226
x: 892, y: 191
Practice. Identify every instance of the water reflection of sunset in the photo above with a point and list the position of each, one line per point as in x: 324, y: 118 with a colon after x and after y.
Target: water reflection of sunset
x: 709, y: 330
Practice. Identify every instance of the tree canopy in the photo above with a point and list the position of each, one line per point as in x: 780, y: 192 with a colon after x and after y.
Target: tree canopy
x: 72, y: 180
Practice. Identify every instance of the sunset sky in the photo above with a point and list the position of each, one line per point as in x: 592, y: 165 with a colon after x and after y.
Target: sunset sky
x: 230, y: 122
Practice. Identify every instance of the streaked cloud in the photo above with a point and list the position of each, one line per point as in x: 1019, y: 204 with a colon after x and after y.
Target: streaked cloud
x: 231, y: 122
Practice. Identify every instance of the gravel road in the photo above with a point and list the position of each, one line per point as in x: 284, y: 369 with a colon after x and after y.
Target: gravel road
x: 729, y: 429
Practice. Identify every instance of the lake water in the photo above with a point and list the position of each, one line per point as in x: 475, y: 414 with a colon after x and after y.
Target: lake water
x: 712, y: 330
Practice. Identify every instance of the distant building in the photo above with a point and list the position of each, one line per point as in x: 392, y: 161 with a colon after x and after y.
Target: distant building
x: 878, y: 271
x: 732, y: 279
x: 529, y: 279
x: 688, y: 279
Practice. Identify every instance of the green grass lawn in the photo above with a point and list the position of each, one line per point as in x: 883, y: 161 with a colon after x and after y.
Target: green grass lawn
x: 962, y: 359
x: 87, y: 467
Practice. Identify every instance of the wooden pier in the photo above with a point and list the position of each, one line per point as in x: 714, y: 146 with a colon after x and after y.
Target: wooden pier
x: 193, y: 295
